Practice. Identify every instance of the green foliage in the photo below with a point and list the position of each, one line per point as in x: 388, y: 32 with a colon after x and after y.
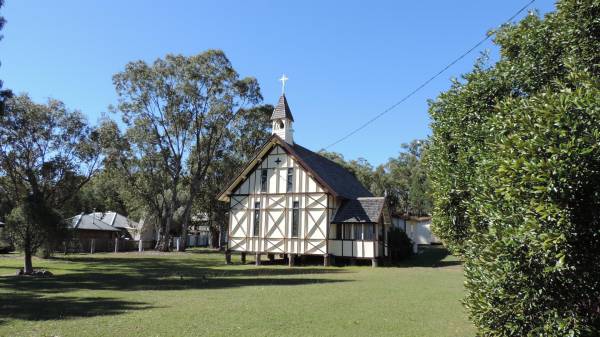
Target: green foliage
x: 399, y: 245
x: 178, y: 112
x: 47, y: 153
x: 249, y: 134
x: 4, y: 94
x: 514, y: 169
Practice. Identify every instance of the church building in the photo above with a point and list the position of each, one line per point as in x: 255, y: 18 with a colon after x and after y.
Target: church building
x: 290, y: 200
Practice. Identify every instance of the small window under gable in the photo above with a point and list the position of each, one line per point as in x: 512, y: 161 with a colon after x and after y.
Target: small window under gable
x: 263, y: 180
x: 290, y: 180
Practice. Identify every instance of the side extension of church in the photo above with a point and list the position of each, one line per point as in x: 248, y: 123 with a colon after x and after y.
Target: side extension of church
x: 290, y: 200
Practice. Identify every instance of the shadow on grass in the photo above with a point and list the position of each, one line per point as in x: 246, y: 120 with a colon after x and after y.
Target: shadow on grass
x: 137, y: 273
x: 431, y: 257
x: 34, y: 307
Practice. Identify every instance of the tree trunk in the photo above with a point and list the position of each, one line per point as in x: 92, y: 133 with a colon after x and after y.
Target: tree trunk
x: 214, y: 237
x: 164, y: 244
x: 183, y: 238
x: 28, y: 264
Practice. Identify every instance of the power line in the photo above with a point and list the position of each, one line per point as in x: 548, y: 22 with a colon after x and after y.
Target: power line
x: 417, y: 89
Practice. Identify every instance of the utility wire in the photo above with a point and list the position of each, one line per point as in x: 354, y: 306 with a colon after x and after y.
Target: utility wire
x: 417, y: 89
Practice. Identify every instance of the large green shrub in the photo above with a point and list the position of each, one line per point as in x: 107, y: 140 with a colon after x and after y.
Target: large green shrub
x: 515, y: 171
x: 399, y: 244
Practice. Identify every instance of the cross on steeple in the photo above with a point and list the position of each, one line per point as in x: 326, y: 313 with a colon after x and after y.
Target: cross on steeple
x: 283, y: 79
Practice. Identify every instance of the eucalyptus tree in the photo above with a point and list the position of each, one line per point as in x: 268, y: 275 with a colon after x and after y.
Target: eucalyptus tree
x: 47, y: 153
x: 177, y: 112
x: 250, y: 133
x: 4, y: 94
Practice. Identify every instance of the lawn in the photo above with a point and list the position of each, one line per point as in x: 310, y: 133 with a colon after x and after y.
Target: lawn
x: 195, y: 294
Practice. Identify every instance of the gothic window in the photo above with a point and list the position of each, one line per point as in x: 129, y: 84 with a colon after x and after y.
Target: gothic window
x: 290, y: 180
x: 295, y: 219
x: 263, y: 180
x: 256, y: 227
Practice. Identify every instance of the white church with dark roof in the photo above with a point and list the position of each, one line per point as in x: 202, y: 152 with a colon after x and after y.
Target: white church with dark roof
x: 290, y: 201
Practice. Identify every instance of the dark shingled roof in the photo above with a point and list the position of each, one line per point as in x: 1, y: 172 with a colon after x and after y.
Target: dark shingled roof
x: 282, y: 110
x: 90, y: 222
x: 338, y: 178
x: 361, y: 210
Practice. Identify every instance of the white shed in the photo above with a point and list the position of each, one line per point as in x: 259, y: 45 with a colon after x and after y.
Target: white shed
x: 418, y: 229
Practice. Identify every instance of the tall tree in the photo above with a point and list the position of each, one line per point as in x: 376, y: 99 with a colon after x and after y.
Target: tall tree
x: 514, y: 167
x: 251, y: 131
x: 178, y: 111
x: 47, y: 153
x: 408, y: 181
x: 4, y: 94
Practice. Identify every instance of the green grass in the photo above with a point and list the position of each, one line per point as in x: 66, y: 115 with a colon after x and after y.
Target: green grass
x: 195, y: 294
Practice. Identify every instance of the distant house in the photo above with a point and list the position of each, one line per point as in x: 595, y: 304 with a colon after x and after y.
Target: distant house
x: 99, y: 230
x: 290, y: 200
x: 127, y: 226
x: 91, y: 233
x: 417, y: 228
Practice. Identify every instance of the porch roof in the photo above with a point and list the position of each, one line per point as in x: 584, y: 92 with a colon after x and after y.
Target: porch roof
x: 360, y: 210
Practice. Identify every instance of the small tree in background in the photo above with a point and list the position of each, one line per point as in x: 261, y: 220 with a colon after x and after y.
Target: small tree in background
x: 515, y: 169
x: 44, y: 150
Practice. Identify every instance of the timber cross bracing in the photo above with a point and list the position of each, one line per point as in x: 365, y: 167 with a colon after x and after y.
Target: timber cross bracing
x: 317, y: 207
x: 290, y: 200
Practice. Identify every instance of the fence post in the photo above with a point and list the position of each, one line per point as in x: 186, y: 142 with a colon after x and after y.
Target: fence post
x: 140, y: 246
x: 116, y: 245
x: 178, y: 243
x: 92, y: 246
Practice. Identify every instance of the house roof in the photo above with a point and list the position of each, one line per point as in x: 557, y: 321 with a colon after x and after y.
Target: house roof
x: 282, y: 110
x: 360, y: 210
x: 340, y: 179
x: 333, y: 177
x: 89, y: 222
x: 117, y: 220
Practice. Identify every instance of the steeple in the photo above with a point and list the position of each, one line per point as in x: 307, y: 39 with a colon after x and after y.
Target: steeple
x: 282, y: 121
x: 282, y: 117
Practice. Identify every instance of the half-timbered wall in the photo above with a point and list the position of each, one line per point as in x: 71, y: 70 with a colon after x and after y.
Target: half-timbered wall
x: 275, y: 212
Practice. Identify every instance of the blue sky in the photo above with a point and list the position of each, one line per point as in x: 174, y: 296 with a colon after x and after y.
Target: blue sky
x: 346, y: 61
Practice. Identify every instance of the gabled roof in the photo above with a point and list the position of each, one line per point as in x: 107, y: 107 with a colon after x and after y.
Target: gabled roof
x: 340, y: 179
x: 360, y: 210
x: 333, y: 177
x: 90, y: 222
x: 282, y: 110
x: 118, y: 220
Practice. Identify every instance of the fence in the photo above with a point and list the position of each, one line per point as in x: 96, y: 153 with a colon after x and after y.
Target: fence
x: 94, y: 245
x: 106, y: 245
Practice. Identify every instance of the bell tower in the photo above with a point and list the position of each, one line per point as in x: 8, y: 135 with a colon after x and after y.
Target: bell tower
x: 282, y: 118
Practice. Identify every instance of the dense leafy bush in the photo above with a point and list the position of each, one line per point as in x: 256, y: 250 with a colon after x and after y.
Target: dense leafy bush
x: 399, y: 245
x: 515, y: 171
